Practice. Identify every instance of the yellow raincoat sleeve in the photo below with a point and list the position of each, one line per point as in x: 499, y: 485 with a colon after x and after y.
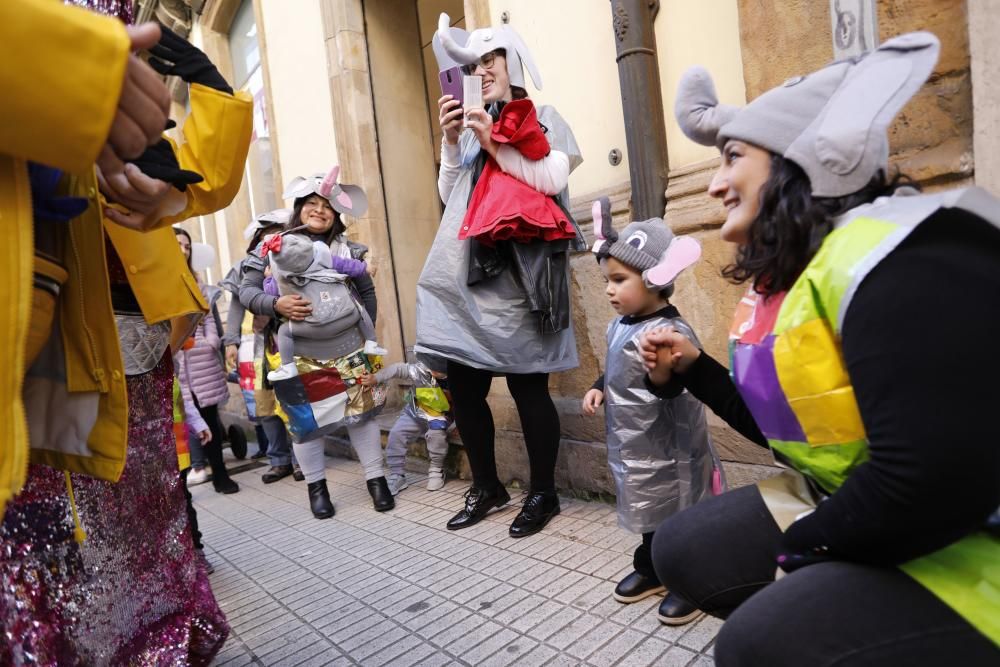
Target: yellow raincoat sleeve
x: 217, y: 136
x: 61, y: 87
x: 216, y: 140
x: 61, y: 82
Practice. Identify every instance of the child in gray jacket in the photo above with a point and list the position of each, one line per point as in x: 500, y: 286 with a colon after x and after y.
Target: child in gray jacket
x: 427, y: 413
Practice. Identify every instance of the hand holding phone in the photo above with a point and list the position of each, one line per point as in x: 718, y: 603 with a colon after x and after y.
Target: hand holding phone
x: 451, y: 83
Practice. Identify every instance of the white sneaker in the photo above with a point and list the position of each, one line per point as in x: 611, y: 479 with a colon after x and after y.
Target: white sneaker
x: 372, y: 348
x: 286, y: 372
x: 397, y: 483
x: 197, y: 476
x: 435, y: 479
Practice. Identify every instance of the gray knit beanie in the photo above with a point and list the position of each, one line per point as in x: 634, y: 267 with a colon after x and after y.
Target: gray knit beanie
x: 832, y: 123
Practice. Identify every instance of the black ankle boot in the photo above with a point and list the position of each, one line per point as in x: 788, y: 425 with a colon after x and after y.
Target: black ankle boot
x: 637, y: 586
x: 381, y: 496
x: 538, y: 510
x: 319, y: 500
x: 478, y: 503
x: 675, y: 610
x: 225, y: 485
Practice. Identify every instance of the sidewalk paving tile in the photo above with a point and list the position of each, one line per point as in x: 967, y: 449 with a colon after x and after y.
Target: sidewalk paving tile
x: 397, y: 588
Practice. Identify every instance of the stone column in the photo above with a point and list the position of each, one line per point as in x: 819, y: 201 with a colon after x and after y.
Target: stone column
x: 357, y: 150
x: 984, y: 26
x: 645, y: 132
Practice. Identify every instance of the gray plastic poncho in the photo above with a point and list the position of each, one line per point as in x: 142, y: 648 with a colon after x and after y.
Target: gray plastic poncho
x: 659, y: 451
x: 487, y: 325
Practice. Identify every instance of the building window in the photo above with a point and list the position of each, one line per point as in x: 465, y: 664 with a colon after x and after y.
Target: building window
x: 248, y: 76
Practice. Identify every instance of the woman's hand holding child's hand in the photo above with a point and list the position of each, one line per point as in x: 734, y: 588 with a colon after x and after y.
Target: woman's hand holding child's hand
x: 665, y: 351
x: 591, y: 401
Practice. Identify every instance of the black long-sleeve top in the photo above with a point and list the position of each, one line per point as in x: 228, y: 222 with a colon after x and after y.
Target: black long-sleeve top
x: 919, y: 343
x: 257, y: 301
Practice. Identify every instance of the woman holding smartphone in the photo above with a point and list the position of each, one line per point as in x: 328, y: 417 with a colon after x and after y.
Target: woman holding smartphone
x: 472, y: 309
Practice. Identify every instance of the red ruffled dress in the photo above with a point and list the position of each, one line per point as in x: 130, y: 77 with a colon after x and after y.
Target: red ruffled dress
x: 503, y: 208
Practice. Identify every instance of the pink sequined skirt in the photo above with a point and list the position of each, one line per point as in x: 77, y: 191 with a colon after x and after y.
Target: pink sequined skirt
x: 133, y: 593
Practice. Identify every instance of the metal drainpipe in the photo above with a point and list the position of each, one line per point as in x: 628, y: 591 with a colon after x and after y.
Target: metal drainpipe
x: 645, y: 131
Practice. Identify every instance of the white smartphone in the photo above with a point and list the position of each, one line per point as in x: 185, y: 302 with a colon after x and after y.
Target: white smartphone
x: 472, y: 94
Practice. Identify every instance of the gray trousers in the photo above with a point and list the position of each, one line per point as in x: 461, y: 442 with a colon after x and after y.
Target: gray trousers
x: 408, y: 428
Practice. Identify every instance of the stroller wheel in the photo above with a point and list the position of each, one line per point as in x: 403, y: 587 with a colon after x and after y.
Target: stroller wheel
x: 237, y: 441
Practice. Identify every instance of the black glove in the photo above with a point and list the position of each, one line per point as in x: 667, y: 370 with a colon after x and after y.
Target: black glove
x: 178, y: 57
x: 159, y: 162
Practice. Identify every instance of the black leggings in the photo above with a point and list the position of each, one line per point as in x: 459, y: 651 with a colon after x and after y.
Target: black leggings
x: 213, y: 450
x: 192, y: 514
x: 539, y: 423
x: 721, y: 555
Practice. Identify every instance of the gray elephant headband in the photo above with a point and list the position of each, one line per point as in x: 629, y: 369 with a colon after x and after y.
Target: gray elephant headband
x: 832, y: 123
x: 454, y: 46
x: 347, y: 199
x: 648, y: 246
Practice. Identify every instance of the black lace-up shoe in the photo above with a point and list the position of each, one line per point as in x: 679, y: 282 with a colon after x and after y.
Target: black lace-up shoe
x: 319, y: 500
x: 381, y: 496
x: 675, y: 610
x: 538, y: 510
x: 478, y: 503
x: 637, y: 586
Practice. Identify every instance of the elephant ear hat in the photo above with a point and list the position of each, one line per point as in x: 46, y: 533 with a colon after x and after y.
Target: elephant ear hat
x: 648, y: 246
x: 832, y: 123
x: 454, y: 46
x: 346, y: 199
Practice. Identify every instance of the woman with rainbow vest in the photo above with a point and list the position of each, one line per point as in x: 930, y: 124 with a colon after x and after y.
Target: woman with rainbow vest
x: 861, y: 355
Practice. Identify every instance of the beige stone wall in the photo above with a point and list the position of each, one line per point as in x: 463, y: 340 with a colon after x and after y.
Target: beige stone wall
x: 932, y: 138
x: 703, y: 33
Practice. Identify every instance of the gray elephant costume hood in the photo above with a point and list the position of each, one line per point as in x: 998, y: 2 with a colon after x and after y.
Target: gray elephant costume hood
x: 832, y: 123
x: 454, y: 46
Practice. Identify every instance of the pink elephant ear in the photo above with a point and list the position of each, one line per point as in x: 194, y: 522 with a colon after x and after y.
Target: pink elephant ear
x: 329, y: 182
x: 601, y: 210
x: 682, y: 253
x: 595, y: 211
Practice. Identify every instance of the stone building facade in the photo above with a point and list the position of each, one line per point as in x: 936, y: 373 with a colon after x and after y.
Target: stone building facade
x: 354, y: 82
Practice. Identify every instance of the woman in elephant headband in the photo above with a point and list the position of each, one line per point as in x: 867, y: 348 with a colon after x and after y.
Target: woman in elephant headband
x: 482, y: 303
x: 317, y: 384
x: 875, y: 546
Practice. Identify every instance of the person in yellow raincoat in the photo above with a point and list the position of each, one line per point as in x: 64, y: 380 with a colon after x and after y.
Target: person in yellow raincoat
x: 98, y: 400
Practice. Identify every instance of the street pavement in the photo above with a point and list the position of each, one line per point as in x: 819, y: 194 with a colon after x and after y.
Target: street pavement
x: 397, y: 588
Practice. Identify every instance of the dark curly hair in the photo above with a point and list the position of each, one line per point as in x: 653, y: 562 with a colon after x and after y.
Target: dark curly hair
x: 791, y: 225
x: 336, y: 230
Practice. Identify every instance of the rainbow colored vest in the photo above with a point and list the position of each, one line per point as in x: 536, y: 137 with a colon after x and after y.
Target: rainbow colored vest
x: 180, y: 429
x: 786, y: 360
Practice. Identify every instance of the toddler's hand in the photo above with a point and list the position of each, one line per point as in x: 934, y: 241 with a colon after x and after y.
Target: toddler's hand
x: 367, y: 379
x: 591, y: 401
x: 666, y: 351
